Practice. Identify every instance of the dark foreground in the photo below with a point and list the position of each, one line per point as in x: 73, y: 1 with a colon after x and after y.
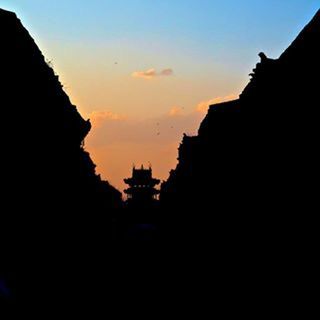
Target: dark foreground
x: 154, y: 264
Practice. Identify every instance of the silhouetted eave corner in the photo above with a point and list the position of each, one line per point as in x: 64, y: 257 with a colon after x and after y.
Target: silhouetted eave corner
x: 228, y: 106
x: 216, y: 110
x: 7, y: 13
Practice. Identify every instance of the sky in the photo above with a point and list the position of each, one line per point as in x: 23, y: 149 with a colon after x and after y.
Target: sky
x: 145, y: 71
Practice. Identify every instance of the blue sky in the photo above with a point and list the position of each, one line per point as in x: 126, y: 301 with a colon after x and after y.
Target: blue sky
x: 199, y: 39
x: 216, y: 26
x: 226, y: 31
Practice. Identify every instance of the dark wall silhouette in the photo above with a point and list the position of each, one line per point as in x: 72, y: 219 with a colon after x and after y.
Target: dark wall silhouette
x: 51, y: 195
x: 242, y: 194
x: 253, y: 155
x: 43, y: 131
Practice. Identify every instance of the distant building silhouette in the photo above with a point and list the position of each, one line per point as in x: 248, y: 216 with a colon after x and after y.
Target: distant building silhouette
x: 142, y: 192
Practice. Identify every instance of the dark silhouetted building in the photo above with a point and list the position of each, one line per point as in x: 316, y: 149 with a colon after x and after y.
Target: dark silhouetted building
x: 256, y: 141
x: 142, y: 192
x: 49, y: 181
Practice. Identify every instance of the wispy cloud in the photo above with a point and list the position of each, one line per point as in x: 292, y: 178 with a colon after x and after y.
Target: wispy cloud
x: 166, y: 72
x: 152, y: 73
x: 99, y: 118
x: 204, y: 105
x: 176, y: 111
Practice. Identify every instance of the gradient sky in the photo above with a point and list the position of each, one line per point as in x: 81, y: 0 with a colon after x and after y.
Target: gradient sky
x: 110, y: 56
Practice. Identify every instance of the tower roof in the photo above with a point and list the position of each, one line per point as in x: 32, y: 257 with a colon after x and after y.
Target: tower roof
x: 142, y: 176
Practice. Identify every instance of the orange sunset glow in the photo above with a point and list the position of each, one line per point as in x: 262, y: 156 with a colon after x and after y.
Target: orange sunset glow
x: 144, y: 82
x: 139, y: 117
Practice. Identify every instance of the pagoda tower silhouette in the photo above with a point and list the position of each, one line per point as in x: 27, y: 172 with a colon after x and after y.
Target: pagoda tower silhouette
x: 142, y: 192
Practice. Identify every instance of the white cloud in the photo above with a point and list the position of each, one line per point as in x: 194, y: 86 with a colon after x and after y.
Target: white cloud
x: 166, y: 72
x: 176, y: 111
x: 99, y: 118
x: 152, y: 73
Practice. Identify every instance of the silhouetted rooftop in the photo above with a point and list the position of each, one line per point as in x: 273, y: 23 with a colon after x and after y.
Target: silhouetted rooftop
x: 7, y: 14
x: 142, y: 176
